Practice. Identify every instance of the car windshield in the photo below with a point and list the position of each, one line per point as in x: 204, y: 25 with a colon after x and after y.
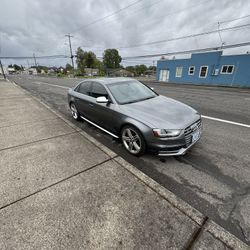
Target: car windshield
x: 130, y: 92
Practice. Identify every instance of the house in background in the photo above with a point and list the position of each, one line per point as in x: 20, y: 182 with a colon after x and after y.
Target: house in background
x: 119, y: 73
x: 32, y: 71
x: 211, y: 68
x: 123, y: 73
x: 11, y: 70
x: 91, y: 72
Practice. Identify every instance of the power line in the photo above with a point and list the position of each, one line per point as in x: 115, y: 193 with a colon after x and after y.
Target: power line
x: 174, y: 12
x: 107, y: 16
x: 230, y: 46
x: 235, y: 19
x: 167, y: 14
x: 136, y: 11
x: 184, y: 37
x: 218, y: 29
x: 32, y: 57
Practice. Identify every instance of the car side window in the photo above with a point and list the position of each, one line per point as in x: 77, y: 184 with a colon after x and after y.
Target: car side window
x: 98, y: 90
x: 84, y: 88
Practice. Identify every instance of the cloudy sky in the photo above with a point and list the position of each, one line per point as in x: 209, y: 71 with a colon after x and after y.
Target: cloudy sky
x: 39, y: 26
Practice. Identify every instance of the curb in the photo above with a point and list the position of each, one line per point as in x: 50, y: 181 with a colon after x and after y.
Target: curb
x: 210, y: 226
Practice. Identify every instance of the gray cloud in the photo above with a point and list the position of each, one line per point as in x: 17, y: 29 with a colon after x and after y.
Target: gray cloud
x: 33, y: 26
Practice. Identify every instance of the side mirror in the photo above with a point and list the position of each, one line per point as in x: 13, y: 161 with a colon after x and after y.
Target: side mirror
x: 102, y: 99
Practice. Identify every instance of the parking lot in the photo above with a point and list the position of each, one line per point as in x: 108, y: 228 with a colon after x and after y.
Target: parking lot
x: 214, y: 176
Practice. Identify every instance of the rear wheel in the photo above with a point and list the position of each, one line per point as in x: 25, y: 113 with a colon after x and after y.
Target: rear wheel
x: 74, y: 112
x: 133, y: 140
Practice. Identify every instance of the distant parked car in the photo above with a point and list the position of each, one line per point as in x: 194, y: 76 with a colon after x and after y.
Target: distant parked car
x: 127, y: 109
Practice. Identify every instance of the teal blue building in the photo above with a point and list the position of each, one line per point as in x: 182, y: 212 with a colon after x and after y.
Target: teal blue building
x: 211, y: 68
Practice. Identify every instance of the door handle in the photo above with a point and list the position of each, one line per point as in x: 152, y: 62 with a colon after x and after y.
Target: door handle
x: 91, y: 104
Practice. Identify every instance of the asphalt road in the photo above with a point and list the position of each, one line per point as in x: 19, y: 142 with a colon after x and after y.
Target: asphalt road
x: 214, y: 176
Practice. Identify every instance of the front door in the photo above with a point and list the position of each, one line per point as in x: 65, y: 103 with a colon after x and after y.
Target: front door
x: 103, y: 114
x: 164, y: 75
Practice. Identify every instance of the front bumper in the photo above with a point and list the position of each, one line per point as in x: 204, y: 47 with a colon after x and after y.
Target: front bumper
x: 180, y: 145
x: 177, y: 152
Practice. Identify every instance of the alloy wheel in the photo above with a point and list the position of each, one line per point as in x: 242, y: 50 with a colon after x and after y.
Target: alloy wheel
x: 131, y: 140
x: 74, y: 111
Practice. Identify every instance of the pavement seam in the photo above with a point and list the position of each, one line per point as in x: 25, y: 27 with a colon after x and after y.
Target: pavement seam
x: 91, y: 139
x: 196, y: 235
x: 218, y: 232
x: 224, y: 236
x: 41, y: 140
x: 55, y: 183
x: 153, y: 186
x: 30, y: 122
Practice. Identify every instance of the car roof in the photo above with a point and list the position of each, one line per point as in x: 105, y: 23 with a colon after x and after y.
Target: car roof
x: 110, y: 80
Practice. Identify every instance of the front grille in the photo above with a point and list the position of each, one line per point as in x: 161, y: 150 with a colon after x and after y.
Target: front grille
x: 189, y: 131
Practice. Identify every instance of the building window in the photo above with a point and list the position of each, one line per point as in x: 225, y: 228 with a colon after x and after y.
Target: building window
x: 203, y: 71
x: 227, y: 69
x: 191, y: 70
x: 178, y: 72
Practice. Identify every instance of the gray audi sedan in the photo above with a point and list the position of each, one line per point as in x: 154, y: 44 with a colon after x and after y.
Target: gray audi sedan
x: 127, y: 109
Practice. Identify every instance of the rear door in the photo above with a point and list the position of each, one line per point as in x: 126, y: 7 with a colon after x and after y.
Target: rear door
x: 83, y: 98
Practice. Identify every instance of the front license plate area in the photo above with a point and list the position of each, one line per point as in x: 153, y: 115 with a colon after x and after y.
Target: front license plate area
x: 196, y: 136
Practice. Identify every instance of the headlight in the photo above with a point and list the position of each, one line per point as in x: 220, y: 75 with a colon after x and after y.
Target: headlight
x: 166, y: 132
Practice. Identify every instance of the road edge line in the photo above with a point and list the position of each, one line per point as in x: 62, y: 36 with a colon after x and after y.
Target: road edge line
x: 225, y: 121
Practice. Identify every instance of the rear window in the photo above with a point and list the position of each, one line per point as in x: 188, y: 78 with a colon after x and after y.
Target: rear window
x: 84, y: 88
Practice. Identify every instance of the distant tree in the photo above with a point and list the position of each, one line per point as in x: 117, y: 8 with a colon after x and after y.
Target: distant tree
x: 111, y: 58
x: 80, y: 60
x: 130, y: 68
x: 140, y: 69
x: 100, y: 66
x: 39, y: 68
x: 68, y: 67
x: 17, y: 67
x: 90, y: 59
x: 85, y: 59
x: 46, y: 69
x: 153, y: 68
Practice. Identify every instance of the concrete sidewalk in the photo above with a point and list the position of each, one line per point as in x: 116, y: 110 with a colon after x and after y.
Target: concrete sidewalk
x: 61, y: 189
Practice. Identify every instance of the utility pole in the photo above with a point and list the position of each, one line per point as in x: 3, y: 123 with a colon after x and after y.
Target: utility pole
x: 35, y: 59
x: 222, y: 43
x: 0, y: 59
x: 2, y: 69
x: 70, y: 48
x: 154, y: 71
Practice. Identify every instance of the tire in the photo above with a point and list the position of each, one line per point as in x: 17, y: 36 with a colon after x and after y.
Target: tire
x: 133, y: 140
x: 74, y: 112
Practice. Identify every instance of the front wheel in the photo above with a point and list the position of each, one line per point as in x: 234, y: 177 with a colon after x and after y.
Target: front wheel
x: 133, y: 140
x: 74, y: 112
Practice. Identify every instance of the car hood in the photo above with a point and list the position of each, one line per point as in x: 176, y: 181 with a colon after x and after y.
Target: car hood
x: 161, y: 112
